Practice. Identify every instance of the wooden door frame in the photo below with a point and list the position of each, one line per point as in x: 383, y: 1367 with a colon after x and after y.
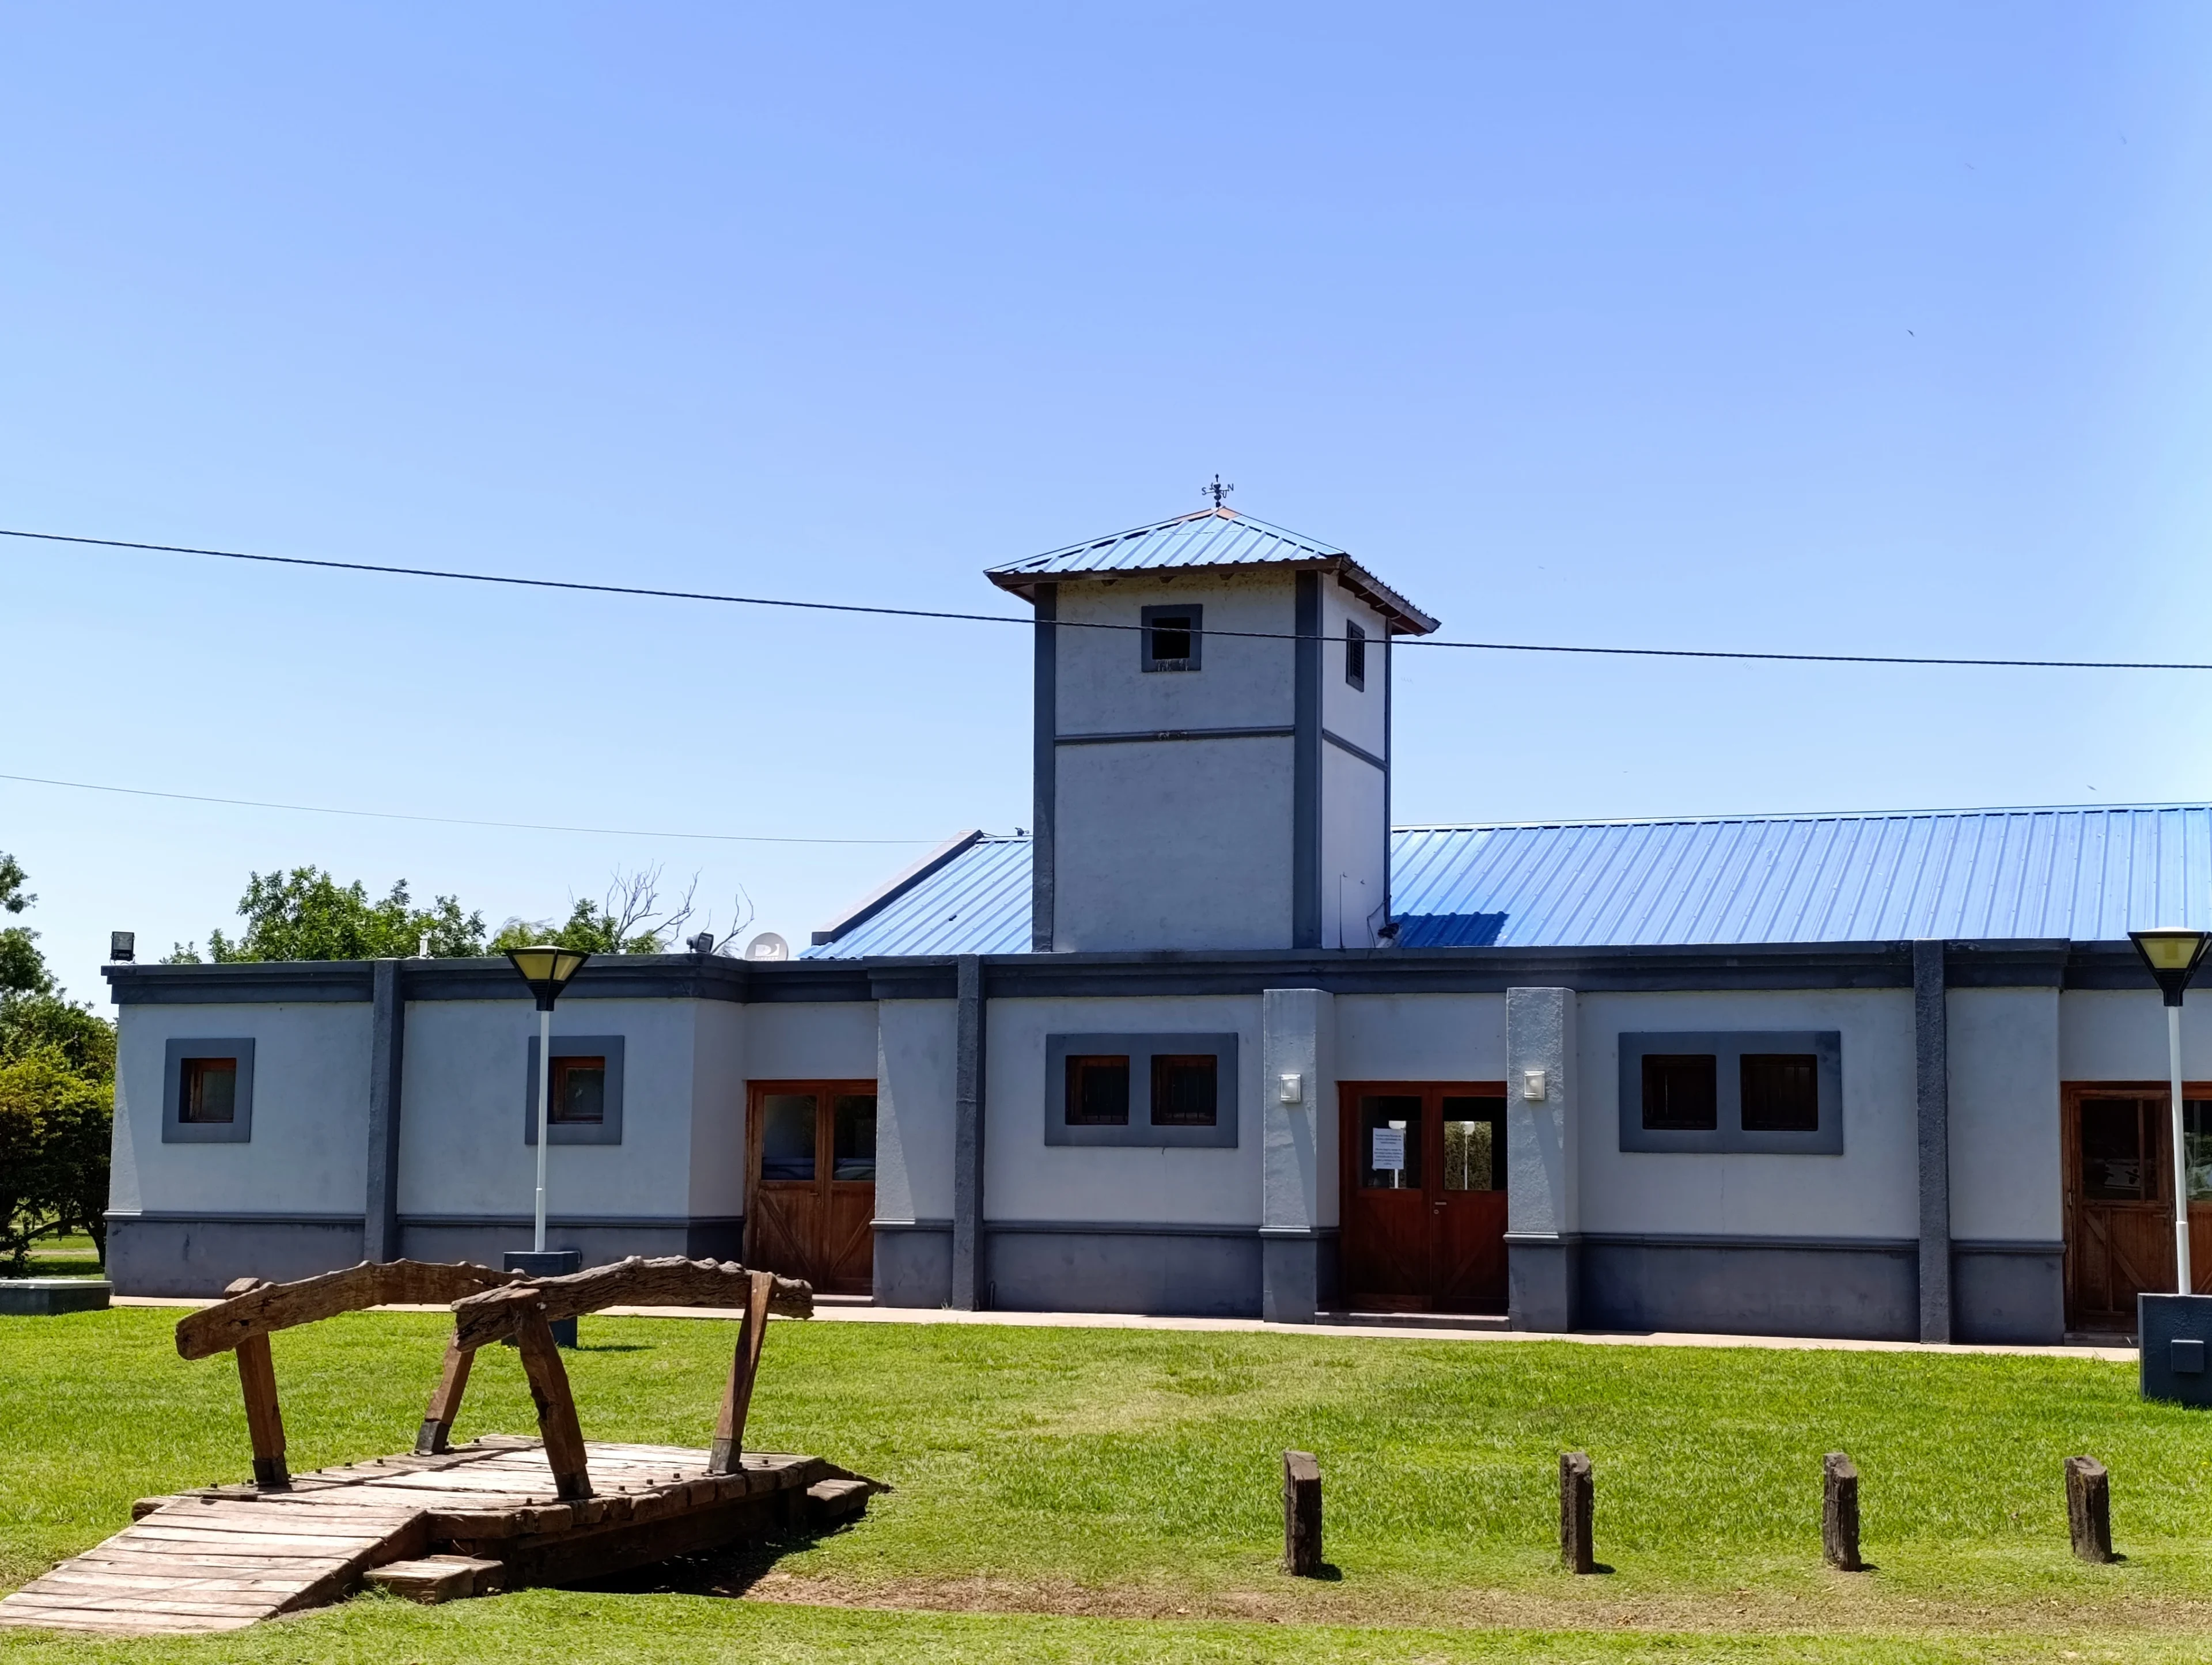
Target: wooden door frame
x: 2070, y: 1094
x: 1433, y: 1094
x: 826, y: 1089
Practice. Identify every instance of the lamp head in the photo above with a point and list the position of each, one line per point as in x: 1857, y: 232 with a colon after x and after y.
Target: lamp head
x: 547, y: 967
x: 2171, y: 953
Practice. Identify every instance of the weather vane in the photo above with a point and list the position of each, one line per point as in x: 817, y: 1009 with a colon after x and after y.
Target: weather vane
x: 1217, y: 490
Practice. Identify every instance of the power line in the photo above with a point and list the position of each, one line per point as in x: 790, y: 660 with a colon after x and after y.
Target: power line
x: 1087, y: 625
x: 447, y: 820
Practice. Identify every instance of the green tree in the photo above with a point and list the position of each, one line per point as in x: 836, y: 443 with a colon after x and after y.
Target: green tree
x: 628, y: 919
x: 307, y: 914
x: 23, y: 968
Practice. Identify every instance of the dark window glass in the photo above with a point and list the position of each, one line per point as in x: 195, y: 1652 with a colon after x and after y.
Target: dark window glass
x: 210, y: 1089
x: 2118, y: 1151
x: 1170, y: 634
x: 1097, y: 1092
x: 1474, y: 1144
x: 854, y: 1116
x: 787, y: 1136
x: 1680, y: 1092
x: 1781, y: 1092
x: 1184, y: 1090
x: 1390, y: 1142
x: 580, y: 1092
x: 1355, y: 656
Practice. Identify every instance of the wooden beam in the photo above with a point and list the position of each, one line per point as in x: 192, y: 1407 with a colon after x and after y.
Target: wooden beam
x: 671, y: 1281
x: 265, y: 1423
x: 744, y: 1368
x: 1840, y: 1513
x: 260, y: 1307
x: 557, y: 1408
x: 2089, y: 1509
x: 1576, y: 1498
x: 1301, y: 1515
x: 444, y: 1401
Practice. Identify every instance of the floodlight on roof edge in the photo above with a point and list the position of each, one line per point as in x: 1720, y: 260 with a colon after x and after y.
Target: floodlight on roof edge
x: 2171, y: 953
x: 547, y: 967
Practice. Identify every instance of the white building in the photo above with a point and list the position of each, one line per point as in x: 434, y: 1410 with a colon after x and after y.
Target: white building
x: 1216, y: 1039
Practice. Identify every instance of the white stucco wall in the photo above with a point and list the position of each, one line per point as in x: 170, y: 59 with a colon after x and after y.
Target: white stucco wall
x: 1355, y: 851
x: 1420, y: 1038
x: 807, y: 1041
x: 1174, y: 844
x: 914, y: 1086
x: 2005, y: 1174
x: 1025, y: 1179
x: 2119, y: 1035
x: 1871, y: 1190
x: 1355, y: 713
x: 1242, y: 681
x: 462, y: 1153
x: 309, y: 1152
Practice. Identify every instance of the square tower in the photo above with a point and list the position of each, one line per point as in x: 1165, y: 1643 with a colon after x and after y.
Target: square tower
x: 1213, y: 739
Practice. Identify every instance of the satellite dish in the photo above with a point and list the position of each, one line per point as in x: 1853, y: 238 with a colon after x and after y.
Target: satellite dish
x: 767, y: 946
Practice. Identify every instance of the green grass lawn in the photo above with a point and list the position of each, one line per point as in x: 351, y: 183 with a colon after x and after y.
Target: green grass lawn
x: 1111, y: 1494
x: 63, y: 1257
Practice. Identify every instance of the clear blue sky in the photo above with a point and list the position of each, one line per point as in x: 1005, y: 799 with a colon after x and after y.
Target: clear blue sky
x: 1865, y: 327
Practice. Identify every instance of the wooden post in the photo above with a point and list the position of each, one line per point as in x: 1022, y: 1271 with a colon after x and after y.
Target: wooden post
x: 744, y: 1367
x: 1840, y: 1513
x: 2089, y: 1509
x: 1577, y: 1502
x: 557, y: 1408
x: 265, y: 1423
x: 444, y: 1401
x: 1302, y: 1513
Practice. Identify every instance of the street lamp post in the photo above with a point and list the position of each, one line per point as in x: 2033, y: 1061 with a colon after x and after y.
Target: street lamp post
x: 547, y: 969
x: 2173, y: 954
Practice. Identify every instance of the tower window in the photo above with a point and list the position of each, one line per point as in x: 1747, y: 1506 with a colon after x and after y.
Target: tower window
x: 1169, y: 638
x: 1355, y: 656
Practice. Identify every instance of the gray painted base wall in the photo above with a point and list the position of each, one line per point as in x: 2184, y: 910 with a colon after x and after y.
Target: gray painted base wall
x: 1543, y: 1283
x: 913, y: 1266
x: 1298, y: 1277
x: 1159, y: 1271
x: 2009, y: 1293
x: 1832, y: 1291
x: 199, y: 1256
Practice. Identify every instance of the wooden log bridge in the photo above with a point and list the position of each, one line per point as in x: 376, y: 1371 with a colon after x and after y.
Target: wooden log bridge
x: 443, y: 1520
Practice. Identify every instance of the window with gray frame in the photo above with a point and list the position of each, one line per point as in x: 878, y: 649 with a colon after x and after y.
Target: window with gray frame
x: 1172, y: 636
x: 587, y: 1100
x: 1156, y: 1090
x: 1776, y: 1091
x: 207, y: 1093
x: 1355, y: 656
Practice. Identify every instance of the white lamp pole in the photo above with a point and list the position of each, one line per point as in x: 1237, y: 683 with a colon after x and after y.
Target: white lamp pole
x: 547, y: 969
x: 2173, y: 954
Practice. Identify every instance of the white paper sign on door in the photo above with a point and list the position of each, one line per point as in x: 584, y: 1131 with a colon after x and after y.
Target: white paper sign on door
x: 1389, y: 1150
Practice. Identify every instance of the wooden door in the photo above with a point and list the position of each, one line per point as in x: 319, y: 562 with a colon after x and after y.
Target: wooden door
x: 2119, y: 1167
x: 1423, y: 1220
x: 810, y: 1182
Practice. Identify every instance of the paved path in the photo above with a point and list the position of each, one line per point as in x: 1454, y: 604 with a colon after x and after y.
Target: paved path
x: 831, y: 1309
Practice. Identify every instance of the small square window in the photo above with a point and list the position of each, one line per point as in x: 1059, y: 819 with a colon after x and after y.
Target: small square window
x: 1170, y: 637
x: 1097, y: 1090
x: 1184, y: 1090
x: 1355, y: 656
x: 209, y: 1092
x: 1680, y: 1092
x: 1781, y: 1092
x: 580, y: 1092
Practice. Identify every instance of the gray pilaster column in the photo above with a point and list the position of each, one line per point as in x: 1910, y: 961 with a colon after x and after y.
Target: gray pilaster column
x: 1932, y: 1089
x: 1298, y: 1154
x: 387, y: 1041
x: 1044, y: 770
x: 970, y: 1287
x: 1543, y: 1234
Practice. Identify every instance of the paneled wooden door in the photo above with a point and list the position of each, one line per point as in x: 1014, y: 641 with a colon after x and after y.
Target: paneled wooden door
x: 1423, y: 1221
x: 2119, y: 1167
x: 810, y: 1182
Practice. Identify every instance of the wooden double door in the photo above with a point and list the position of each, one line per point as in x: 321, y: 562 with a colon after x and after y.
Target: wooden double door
x: 810, y: 1182
x: 1423, y: 1219
x: 2119, y: 1197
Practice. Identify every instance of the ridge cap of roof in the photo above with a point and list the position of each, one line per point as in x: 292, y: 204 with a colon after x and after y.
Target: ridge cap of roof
x: 1782, y: 816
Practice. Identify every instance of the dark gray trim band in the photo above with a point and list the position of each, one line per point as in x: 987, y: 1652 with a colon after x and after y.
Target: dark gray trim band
x: 1137, y: 735
x: 1044, y: 770
x: 1116, y: 1228
x: 1931, y: 1080
x: 605, y: 1222
x: 942, y: 1226
x: 201, y: 1217
x: 969, y: 1284
x: 2008, y: 1246
x: 1305, y: 769
x: 175, y: 1130
x: 1721, y: 1240
x: 387, y: 1037
x: 616, y: 977
x: 1360, y: 752
x: 942, y: 856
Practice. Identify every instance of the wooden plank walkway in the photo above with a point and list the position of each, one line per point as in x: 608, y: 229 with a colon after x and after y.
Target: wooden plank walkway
x: 221, y: 1558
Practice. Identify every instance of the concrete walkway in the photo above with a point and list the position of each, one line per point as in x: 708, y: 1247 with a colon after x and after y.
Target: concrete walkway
x: 831, y: 1309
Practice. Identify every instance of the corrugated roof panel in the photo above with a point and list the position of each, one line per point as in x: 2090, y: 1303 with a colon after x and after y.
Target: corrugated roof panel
x: 2087, y: 874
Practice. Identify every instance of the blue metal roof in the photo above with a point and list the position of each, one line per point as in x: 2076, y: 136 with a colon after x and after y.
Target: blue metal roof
x: 1207, y: 538
x: 2087, y: 874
